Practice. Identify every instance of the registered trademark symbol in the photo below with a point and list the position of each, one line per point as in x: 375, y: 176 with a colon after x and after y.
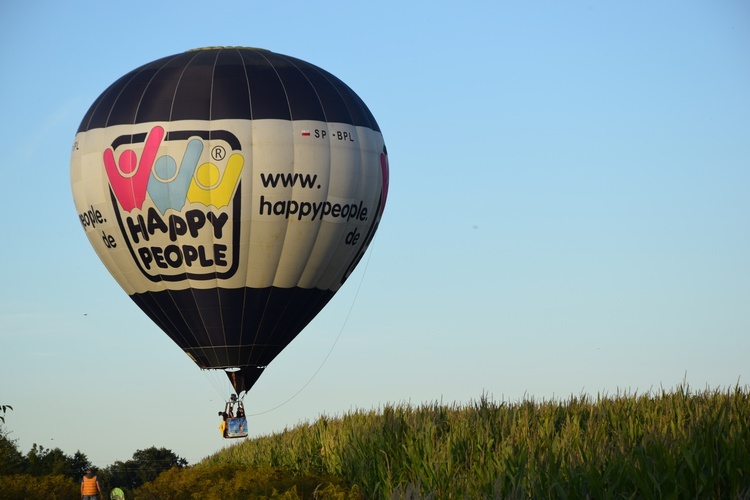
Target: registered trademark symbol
x: 218, y: 152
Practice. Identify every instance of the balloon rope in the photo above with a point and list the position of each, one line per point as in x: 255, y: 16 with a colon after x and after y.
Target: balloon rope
x: 367, y: 264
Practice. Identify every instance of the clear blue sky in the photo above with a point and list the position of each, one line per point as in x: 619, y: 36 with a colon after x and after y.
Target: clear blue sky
x: 569, y: 212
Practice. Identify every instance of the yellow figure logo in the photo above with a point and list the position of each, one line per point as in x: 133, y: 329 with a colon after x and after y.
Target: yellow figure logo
x: 210, y: 188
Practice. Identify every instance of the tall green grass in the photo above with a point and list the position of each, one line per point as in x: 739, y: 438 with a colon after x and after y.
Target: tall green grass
x: 676, y: 444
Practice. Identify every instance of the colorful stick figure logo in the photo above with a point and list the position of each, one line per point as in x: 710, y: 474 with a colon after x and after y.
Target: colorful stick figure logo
x: 170, y: 206
x: 168, y: 185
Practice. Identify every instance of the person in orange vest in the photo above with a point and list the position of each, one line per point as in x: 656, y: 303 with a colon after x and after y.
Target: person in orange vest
x: 90, y: 489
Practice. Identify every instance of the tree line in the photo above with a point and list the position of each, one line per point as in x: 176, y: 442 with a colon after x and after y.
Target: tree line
x: 50, y: 469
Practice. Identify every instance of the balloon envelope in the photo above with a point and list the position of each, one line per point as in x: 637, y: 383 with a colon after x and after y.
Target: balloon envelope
x: 230, y: 192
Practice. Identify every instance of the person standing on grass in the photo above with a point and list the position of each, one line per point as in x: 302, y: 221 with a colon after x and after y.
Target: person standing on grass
x: 90, y: 489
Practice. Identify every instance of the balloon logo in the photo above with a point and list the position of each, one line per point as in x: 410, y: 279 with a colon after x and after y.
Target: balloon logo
x: 230, y: 192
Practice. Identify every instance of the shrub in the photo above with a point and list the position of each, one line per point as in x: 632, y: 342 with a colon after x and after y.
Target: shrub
x: 25, y: 486
x: 239, y: 482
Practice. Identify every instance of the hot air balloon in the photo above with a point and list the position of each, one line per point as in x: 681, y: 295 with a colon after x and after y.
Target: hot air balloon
x: 230, y: 192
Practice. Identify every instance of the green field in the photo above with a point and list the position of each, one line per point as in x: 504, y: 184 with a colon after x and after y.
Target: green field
x: 670, y: 444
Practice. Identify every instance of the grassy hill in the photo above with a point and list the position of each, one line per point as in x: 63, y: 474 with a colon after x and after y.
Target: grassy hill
x: 678, y: 444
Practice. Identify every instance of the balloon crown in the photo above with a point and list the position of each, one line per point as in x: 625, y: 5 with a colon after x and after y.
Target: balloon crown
x: 220, y: 47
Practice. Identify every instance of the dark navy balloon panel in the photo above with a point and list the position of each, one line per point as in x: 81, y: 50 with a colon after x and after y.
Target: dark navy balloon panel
x: 234, y: 83
x: 230, y: 192
x: 198, y: 321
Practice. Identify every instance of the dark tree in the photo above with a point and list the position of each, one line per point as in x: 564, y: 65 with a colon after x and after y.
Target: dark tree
x: 145, y: 466
x: 41, y: 461
x: 78, y: 464
x: 121, y: 474
x: 12, y: 460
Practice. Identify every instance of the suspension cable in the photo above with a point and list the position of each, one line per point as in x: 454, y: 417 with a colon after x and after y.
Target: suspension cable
x: 325, y: 359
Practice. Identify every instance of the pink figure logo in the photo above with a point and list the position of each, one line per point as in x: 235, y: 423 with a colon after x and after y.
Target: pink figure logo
x: 128, y: 176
